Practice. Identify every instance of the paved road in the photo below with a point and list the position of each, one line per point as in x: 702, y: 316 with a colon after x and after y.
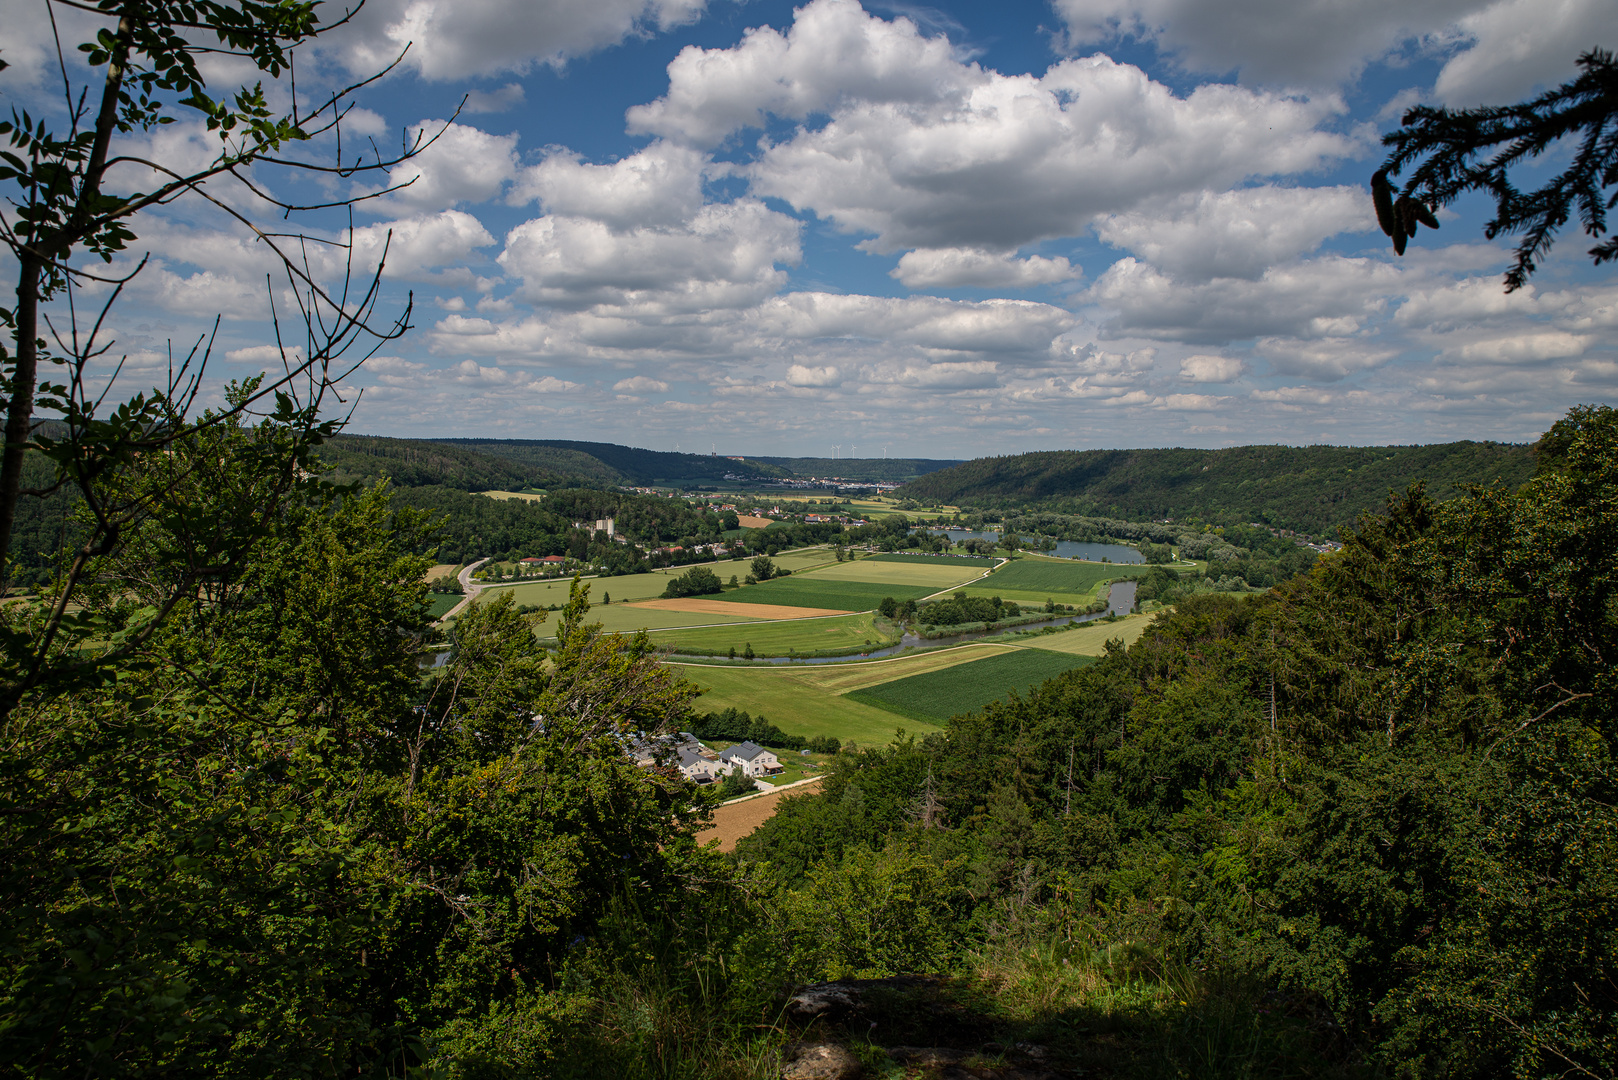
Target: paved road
x: 468, y: 586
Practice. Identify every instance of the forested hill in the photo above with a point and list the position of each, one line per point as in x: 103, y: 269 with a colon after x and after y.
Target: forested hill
x: 421, y: 463
x: 629, y: 464
x: 1312, y: 489
x: 862, y: 468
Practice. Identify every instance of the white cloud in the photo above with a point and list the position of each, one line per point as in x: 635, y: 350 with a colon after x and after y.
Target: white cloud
x: 947, y: 268
x: 1328, y: 359
x: 1526, y: 348
x: 462, y: 164
x: 266, y: 355
x: 925, y: 150
x: 799, y: 375
x: 470, y: 38
x: 417, y: 246
x: 724, y: 257
x: 1202, y: 368
x: 1239, y: 233
x: 1328, y: 296
x: 640, y: 384
x: 1505, y: 47
x: 659, y: 185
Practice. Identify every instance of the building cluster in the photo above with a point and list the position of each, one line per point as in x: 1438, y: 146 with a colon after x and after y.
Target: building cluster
x: 701, y: 765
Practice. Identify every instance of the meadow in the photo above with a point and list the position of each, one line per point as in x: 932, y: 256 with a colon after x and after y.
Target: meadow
x: 841, y: 633
x: 935, y: 696
x: 815, y: 591
x: 798, y: 701
x: 1084, y: 639
x: 1033, y: 574
x: 982, y: 562
x: 935, y: 576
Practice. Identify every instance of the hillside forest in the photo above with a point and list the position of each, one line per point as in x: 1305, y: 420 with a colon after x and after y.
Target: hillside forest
x: 1360, y: 824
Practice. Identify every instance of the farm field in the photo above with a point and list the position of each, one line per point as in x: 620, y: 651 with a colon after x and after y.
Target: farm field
x: 812, y: 590
x: 526, y: 496
x: 1089, y: 639
x: 439, y: 603
x: 981, y: 562
x: 792, y: 700
x: 711, y: 606
x: 735, y: 820
x: 628, y: 587
x: 443, y: 569
x: 935, y: 696
x: 626, y: 619
x: 1046, y: 576
x: 935, y: 576
x: 849, y: 632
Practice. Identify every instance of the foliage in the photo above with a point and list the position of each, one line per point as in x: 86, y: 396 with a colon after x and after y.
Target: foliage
x: 961, y: 608
x: 697, y: 581
x: 762, y: 569
x: 1452, y: 142
x: 418, y: 463
x: 1314, y: 489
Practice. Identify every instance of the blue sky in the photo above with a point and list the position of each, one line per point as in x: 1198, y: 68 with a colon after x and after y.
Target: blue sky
x: 951, y: 230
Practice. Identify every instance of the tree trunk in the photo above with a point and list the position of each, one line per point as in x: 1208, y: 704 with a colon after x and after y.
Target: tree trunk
x: 20, y: 410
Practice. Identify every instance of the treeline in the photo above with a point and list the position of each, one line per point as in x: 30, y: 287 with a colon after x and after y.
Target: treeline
x: 629, y: 464
x: 738, y: 726
x: 1382, y: 795
x: 868, y: 469
x: 417, y: 463
x: 1313, y: 489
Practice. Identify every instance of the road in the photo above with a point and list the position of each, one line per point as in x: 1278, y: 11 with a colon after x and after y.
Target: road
x: 468, y: 586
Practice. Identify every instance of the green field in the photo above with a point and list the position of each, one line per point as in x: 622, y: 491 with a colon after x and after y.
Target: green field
x: 781, y: 638
x: 981, y: 562
x: 1046, y: 576
x: 811, y: 591
x: 1086, y: 639
x: 896, y: 573
x: 791, y: 700
x: 938, y: 695
x: 439, y: 603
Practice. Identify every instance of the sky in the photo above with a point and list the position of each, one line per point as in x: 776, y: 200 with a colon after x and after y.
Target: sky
x: 953, y: 230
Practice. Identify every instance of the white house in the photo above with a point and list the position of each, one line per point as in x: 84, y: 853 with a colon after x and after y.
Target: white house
x: 753, y: 760
x: 699, y: 767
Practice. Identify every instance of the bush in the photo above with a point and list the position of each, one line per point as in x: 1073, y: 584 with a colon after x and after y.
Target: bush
x: 697, y: 581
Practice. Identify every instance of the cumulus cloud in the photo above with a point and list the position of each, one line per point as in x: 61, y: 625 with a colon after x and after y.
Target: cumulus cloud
x: 1499, y: 49
x: 1327, y: 359
x: 1202, y: 368
x: 724, y: 257
x: 469, y: 38
x: 1525, y: 348
x: 1328, y: 296
x: 640, y: 384
x: 801, y: 375
x: 659, y: 185
x: 947, y: 268
x: 924, y: 149
x: 463, y: 164
x: 420, y: 246
x: 1240, y: 233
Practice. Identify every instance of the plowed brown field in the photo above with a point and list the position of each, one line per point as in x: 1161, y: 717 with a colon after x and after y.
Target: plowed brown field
x: 752, y: 612
x: 732, y: 822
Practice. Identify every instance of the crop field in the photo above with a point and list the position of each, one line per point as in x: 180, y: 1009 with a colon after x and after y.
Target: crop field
x: 443, y: 569
x: 981, y: 562
x: 813, y: 591
x: 710, y: 606
x: 1046, y: 576
x: 439, y: 603
x: 846, y: 632
x: 793, y: 699
x: 628, y: 587
x: 1087, y: 639
x: 938, y: 695
x: 526, y: 496
x: 935, y: 576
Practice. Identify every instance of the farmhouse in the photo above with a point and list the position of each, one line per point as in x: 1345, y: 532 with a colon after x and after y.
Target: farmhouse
x: 752, y: 759
x: 699, y: 767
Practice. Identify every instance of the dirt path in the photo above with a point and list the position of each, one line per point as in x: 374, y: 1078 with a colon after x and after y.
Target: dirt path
x: 736, y: 820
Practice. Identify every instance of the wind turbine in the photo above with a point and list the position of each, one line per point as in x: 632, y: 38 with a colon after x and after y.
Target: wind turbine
x: 884, y: 453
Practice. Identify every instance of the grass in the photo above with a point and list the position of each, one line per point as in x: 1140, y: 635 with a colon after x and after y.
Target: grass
x: 812, y: 591
x: 1083, y: 639
x: 526, y: 496
x: 1045, y: 576
x: 938, y: 575
x: 439, y: 603
x: 795, y: 700
x: 982, y: 562
x: 839, y: 633
x: 939, y: 695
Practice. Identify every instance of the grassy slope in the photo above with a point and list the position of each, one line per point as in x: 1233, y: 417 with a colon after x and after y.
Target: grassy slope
x: 938, y: 695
